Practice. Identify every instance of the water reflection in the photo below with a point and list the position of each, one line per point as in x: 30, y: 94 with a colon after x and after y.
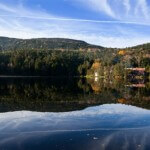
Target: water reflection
x: 73, y: 114
x: 61, y: 94
x: 101, y: 127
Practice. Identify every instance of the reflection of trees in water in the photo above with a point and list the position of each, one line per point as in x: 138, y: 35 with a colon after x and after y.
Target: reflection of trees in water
x: 118, y: 90
x: 62, y: 94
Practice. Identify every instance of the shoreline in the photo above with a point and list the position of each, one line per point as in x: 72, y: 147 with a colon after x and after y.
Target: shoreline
x: 15, y: 76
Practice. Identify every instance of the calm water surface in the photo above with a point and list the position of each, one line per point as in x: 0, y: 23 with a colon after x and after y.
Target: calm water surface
x: 73, y: 114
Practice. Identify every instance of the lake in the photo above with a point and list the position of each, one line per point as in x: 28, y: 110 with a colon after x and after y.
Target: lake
x: 73, y: 114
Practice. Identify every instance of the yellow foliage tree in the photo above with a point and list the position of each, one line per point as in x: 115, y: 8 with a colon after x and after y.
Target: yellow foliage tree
x: 122, y: 52
x: 96, y: 65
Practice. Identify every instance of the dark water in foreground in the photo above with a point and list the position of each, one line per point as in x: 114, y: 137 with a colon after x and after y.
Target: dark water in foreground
x: 73, y: 114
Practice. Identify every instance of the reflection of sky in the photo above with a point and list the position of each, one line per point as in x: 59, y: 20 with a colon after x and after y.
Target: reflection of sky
x: 101, y: 127
x: 100, y: 117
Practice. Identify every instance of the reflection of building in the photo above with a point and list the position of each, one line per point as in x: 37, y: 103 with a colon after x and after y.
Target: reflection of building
x: 138, y: 71
x: 137, y: 85
x: 96, y: 79
x: 96, y: 74
x: 146, y: 98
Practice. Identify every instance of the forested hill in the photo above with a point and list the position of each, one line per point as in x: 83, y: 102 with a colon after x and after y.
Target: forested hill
x: 65, y: 57
x: 45, y: 44
x: 145, y: 46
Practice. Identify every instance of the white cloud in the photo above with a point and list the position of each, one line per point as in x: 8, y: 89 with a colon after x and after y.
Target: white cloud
x: 127, y: 6
x: 143, y: 8
x: 19, y: 10
x: 99, y: 6
x: 125, y: 10
x: 26, y: 23
x: 95, y: 34
x: 6, y: 8
x: 75, y: 20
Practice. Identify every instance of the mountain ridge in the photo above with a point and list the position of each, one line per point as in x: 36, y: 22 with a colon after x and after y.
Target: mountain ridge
x: 7, y: 43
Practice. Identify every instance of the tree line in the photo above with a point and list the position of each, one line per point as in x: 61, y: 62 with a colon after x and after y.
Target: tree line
x: 107, y: 62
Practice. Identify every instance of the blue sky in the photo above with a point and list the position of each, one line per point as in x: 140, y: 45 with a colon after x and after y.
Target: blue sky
x: 111, y: 23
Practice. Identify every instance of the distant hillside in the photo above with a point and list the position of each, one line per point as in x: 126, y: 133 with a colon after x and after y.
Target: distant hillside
x: 66, y: 57
x: 45, y: 44
x: 145, y: 46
